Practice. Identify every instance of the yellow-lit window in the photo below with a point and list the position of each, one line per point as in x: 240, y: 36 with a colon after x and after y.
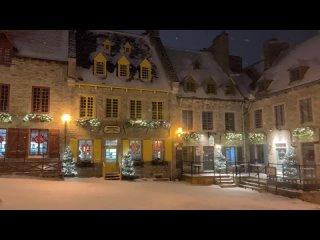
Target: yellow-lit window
x: 112, y: 106
x: 86, y: 106
x: 157, y: 110
x: 135, y: 109
x: 123, y: 70
x: 145, y: 73
x: 99, y: 67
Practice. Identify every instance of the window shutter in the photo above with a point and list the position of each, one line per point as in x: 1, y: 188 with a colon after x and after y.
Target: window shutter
x: 147, y: 150
x: 54, y: 149
x: 74, y: 148
x: 17, y: 146
x: 168, y: 150
x: 97, y: 150
x: 125, y: 147
x: 265, y: 153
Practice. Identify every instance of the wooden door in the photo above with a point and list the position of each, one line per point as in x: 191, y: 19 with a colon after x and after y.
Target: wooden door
x: 54, y: 148
x: 17, y: 146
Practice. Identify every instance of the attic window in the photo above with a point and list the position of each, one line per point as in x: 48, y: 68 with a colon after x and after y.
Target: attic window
x: 145, y: 73
x: 263, y: 85
x: 189, y: 86
x: 127, y: 50
x: 100, y: 67
x: 229, y: 89
x: 298, y: 73
x: 5, y: 56
x: 211, y: 87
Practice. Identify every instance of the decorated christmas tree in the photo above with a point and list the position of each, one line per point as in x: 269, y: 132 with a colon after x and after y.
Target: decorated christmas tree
x: 290, y: 168
x: 68, y: 163
x: 219, y: 160
x: 127, y: 168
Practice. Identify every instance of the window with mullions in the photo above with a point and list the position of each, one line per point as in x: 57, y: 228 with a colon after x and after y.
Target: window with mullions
x: 86, y: 106
x: 112, y: 108
x: 135, y: 109
x: 100, y: 67
x: 4, y: 97
x: 38, y: 142
x: 40, y: 99
x: 207, y: 120
x: 187, y: 120
x: 305, y: 110
x: 3, y: 141
x: 157, y: 110
x: 157, y: 150
x: 229, y: 121
x: 123, y: 70
x: 145, y: 73
x: 85, y: 150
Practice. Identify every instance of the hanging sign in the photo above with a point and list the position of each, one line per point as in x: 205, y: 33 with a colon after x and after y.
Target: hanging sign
x: 111, y: 129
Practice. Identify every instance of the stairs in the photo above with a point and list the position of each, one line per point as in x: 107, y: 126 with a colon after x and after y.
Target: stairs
x: 226, y: 181
x: 112, y: 176
x: 254, y: 184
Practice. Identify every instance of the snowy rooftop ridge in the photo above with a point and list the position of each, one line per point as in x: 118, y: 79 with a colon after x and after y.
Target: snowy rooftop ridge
x: 306, y: 53
x: 183, y: 62
x: 41, y: 44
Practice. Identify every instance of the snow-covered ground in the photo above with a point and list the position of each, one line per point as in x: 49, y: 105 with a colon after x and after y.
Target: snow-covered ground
x: 95, y: 193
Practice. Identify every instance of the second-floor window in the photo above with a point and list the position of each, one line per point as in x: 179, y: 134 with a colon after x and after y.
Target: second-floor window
x: 157, y: 110
x: 258, y: 118
x: 135, y: 109
x: 40, y: 99
x: 4, y: 97
x: 279, y: 115
x: 207, y: 121
x: 187, y: 120
x: 86, y: 106
x: 229, y: 121
x: 112, y: 106
x: 306, y: 110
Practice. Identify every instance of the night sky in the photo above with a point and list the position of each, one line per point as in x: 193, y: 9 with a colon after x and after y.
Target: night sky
x: 245, y: 43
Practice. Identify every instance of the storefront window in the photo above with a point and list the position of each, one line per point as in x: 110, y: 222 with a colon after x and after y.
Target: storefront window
x: 85, y: 150
x: 157, y: 150
x: 3, y: 137
x: 135, y: 147
x: 38, y: 142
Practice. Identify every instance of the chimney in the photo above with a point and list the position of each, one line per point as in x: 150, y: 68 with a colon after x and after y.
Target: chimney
x: 272, y: 49
x: 72, y: 55
x: 235, y: 64
x: 220, y: 50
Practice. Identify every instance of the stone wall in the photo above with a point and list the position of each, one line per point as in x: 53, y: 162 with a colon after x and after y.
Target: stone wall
x: 153, y: 171
x: 94, y: 171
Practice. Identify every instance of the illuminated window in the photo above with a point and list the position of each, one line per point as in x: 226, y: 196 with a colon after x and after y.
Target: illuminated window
x: 100, y: 68
x: 258, y: 118
x: 112, y: 108
x: 38, y: 142
x: 4, y: 98
x: 157, y: 110
x: 145, y: 73
x: 305, y: 110
x: 40, y: 99
x: 135, y: 148
x: 187, y: 120
x: 85, y: 150
x: 207, y: 120
x: 111, y: 150
x: 135, y: 109
x: 86, y: 106
x: 123, y: 70
x: 229, y: 121
x: 3, y: 141
x: 157, y: 150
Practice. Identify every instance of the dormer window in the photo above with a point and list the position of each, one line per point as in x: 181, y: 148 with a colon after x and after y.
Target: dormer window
x: 145, y: 70
x: 196, y: 64
x: 123, y: 67
x: 127, y: 48
x: 6, y: 48
x: 100, y: 65
x: 230, y: 89
x: 107, y: 45
x: 297, y: 73
x: 189, y: 84
x: 211, y: 87
x: 263, y: 85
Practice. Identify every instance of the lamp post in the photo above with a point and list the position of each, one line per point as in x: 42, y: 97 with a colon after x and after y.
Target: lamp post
x: 66, y: 119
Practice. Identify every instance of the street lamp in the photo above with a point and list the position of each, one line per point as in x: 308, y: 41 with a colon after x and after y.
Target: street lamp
x: 66, y: 119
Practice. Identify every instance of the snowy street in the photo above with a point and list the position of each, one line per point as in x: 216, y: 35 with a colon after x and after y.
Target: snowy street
x: 95, y: 193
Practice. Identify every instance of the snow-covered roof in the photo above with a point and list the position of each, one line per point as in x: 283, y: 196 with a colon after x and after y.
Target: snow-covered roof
x: 306, y: 53
x: 141, y: 49
x: 183, y: 62
x: 41, y: 44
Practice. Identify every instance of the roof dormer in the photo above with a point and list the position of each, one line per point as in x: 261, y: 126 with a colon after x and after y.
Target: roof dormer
x: 127, y: 48
x: 107, y: 45
x: 145, y: 70
x: 189, y: 84
x: 230, y: 88
x: 211, y: 86
x: 123, y: 67
x: 297, y: 73
x: 100, y: 65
